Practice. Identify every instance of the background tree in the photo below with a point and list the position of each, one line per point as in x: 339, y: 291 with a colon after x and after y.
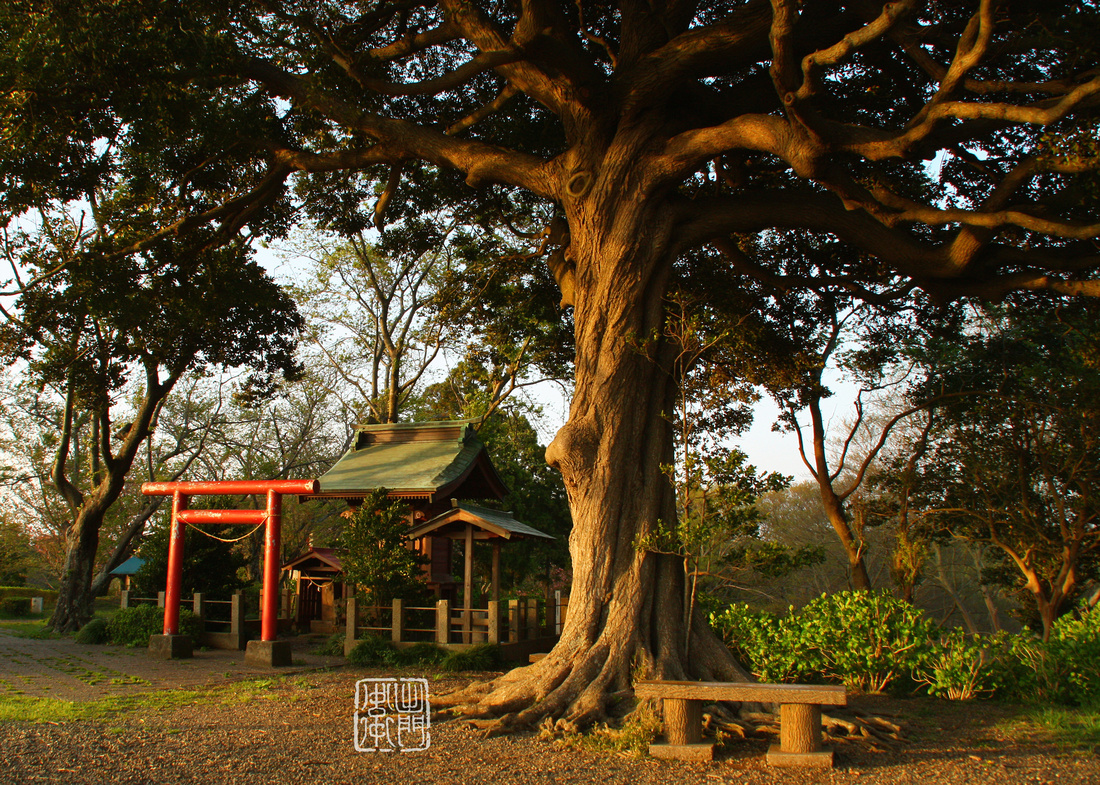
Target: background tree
x: 1015, y: 465
x: 17, y: 556
x: 651, y: 132
x: 210, y: 565
x: 374, y: 320
x: 95, y: 328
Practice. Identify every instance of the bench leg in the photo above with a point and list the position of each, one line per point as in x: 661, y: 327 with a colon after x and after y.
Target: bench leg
x: 799, y: 737
x: 683, y: 721
x: 683, y: 732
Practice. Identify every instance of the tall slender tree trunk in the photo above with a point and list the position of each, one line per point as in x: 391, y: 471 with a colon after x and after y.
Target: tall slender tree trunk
x: 834, y: 505
x: 626, y: 611
x: 853, y: 546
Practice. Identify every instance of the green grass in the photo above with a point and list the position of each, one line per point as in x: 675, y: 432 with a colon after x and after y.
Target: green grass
x: 1070, y: 728
x: 26, y: 628
x: 15, y: 707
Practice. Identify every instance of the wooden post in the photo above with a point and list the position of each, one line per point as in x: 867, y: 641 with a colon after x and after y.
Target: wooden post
x: 236, y: 620
x: 494, y: 621
x: 683, y: 721
x: 170, y: 600
x: 443, y: 622
x: 160, y: 599
x: 533, y: 618
x: 197, y: 608
x: 496, y: 569
x: 397, y: 624
x: 124, y: 599
x: 513, y: 621
x: 269, y: 608
x: 559, y: 617
x: 468, y: 584
x: 521, y: 622
x: 351, y: 622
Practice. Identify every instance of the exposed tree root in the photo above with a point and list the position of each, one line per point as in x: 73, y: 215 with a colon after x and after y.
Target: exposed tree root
x: 859, y: 727
x: 580, y: 685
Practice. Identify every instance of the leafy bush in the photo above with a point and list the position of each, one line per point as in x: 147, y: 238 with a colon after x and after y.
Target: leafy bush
x: 332, y: 647
x: 376, y: 650
x: 866, y: 640
x: 870, y: 640
x: 133, y: 626
x: 373, y: 650
x: 482, y: 657
x: 960, y: 666
x: 1065, y: 669
x: 422, y: 654
x: 49, y: 596
x: 765, y: 643
x: 15, y: 606
x: 94, y: 632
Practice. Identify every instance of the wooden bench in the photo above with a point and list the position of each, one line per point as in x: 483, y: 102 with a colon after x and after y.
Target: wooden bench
x: 799, y: 717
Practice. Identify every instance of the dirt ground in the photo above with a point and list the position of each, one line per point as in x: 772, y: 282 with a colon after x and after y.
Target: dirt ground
x: 298, y: 728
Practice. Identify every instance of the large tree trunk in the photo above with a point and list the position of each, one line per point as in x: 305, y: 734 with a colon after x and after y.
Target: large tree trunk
x: 626, y: 612
x: 75, y: 596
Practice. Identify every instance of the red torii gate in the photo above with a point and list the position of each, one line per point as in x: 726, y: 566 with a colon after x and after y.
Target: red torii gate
x: 171, y: 644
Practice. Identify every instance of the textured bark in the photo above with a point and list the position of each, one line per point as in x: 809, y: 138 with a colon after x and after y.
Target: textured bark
x: 626, y: 606
x: 75, y: 596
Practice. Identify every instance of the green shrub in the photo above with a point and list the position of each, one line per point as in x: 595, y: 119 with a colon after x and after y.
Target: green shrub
x: 865, y: 639
x: 960, y: 666
x: 421, y: 654
x: 1065, y: 669
x: 94, y: 632
x: 373, y: 650
x: 482, y: 657
x: 133, y: 626
x: 765, y: 643
x: 870, y: 640
x: 332, y: 647
x: 15, y: 607
x: 49, y: 596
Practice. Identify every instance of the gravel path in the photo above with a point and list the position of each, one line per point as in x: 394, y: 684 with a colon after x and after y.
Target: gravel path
x: 298, y: 729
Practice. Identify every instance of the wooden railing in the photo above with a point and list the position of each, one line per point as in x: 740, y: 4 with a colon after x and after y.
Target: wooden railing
x: 512, y: 621
x: 232, y: 630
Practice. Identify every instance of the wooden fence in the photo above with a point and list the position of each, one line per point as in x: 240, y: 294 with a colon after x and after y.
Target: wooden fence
x: 519, y: 626
x: 225, y: 623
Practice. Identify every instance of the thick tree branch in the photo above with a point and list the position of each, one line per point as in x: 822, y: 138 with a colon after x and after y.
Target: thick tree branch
x: 932, y: 266
x: 398, y: 140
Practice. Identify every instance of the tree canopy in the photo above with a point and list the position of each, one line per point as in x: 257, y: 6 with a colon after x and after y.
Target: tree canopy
x: 950, y: 145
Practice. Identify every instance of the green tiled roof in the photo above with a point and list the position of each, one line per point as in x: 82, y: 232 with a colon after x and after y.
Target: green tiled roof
x: 405, y: 458
x: 503, y: 519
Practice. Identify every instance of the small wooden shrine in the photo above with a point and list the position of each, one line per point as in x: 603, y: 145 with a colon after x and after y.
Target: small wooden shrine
x: 431, y: 466
x: 320, y: 588
x: 470, y: 523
